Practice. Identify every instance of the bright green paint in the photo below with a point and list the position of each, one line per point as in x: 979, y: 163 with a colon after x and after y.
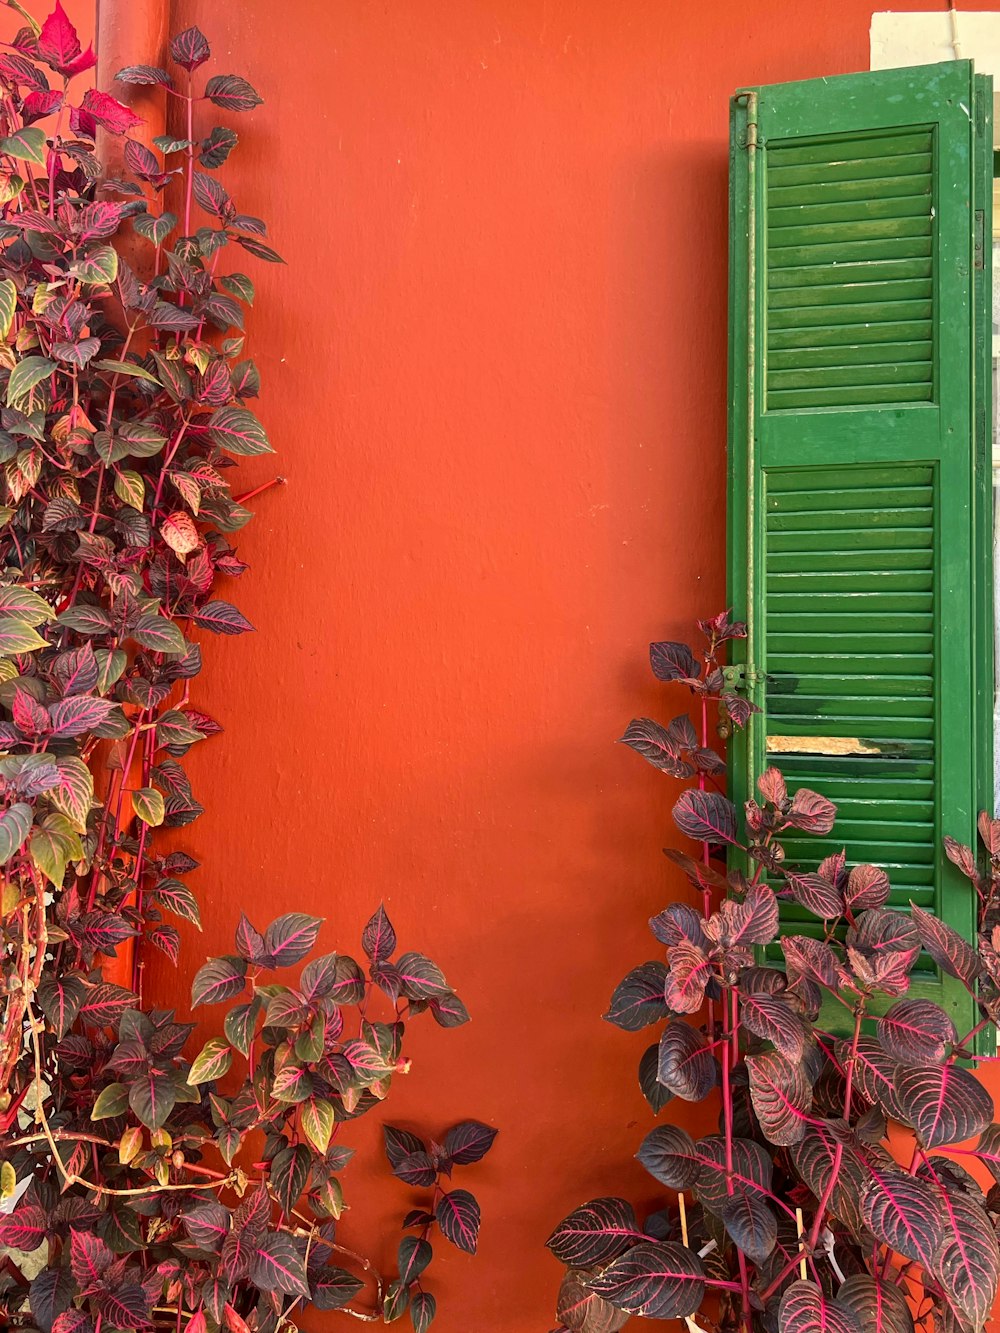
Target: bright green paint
x: 859, y: 479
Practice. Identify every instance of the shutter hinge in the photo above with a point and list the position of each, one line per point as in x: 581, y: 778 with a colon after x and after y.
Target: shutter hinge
x: 978, y: 241
x: 739, y: 676
x: 748, y: 139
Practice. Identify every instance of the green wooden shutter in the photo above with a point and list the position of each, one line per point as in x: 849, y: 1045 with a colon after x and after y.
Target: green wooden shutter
x: 859, y: 465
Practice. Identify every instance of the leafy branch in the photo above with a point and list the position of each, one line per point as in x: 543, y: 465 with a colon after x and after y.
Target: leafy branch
x: 803, y: 1215
x: 210, y: 1197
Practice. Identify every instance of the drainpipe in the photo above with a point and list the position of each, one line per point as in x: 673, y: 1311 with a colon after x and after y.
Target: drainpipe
x: 130, y: 32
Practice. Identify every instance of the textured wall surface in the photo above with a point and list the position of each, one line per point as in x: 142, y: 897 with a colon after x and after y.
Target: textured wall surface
x: 494, y: 371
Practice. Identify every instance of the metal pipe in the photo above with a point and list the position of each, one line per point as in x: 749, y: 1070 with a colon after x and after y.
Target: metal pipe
x: 751, y: 424
x: 956, y: 45
x: 130, y: 32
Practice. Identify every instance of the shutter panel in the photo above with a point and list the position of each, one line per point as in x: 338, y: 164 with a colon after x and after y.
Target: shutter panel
x: 859, y: 493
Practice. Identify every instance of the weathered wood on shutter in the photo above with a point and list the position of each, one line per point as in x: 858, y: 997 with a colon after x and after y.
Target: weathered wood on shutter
x: 858, y: 465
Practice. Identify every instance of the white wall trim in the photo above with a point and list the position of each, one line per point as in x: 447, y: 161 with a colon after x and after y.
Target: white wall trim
x: 908, y: 38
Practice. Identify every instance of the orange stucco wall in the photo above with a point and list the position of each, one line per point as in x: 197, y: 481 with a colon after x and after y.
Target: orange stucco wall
x: 495, y: 374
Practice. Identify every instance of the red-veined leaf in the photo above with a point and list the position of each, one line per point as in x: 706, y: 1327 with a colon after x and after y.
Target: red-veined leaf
x: 220, y: 618
x: 232, y: 93
x: 190, y: 49
x: 817, y: 895
x: 805, y: 1309
x: 660, y: 1281
x: 827, y: 1146
x: 288, y: 939
x: 276, y: 1265
x: 773, y: 1018
x: 458, y: 1216
x: 219, y: 979
x: 582, y: 1310
x: 706, y: 816
x: 949, y: 950
x: 781, y: 1096
x: 639, y: 999
x: 689, y: 973
x: 944, y: 1104
x: 685, y: 1066
x: 880, y: 1306
x: 751, y: 1223
x: 672, y: 661
x: 333, y: 1288
x: 905, y: 1213
x: 109, y: 113
x: 595, y: 1233
x: 670, y: 1156
x: 143, y: 74
x: 867, y: 887
x: 238, y: 432
x: 89, y: 1260
x: 752, y: 1168
x: 968, y: 1262
x: 25, y: 1228
x: 469, y: 1142
x: 811, y: 812
x: 657, y: 746
x: 917, y: 1032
